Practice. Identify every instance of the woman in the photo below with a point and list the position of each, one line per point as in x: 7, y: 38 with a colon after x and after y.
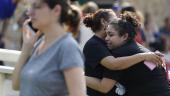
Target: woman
x: 74, y: 27
x: 97, y: 55
x: 49, y: 68
x: 142, y: 79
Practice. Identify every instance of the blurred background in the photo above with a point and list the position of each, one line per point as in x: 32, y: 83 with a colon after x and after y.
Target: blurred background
x: 153, y: 13
x: 154, y: 34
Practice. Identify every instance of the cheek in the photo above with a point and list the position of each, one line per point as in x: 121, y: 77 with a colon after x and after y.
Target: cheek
x: 44, y: 14
x: 113, y: 39
x: 40, y: 23
x: 45, y: 19
x: 110, y: 39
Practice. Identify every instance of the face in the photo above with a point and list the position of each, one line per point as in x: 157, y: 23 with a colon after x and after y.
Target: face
x: 113, y: 39
x: 111, y: 18
x: 41, y: 15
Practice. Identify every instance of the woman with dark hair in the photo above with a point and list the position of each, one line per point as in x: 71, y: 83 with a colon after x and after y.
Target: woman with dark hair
x: 74, y: 24
x: 53, y: 66
x: 98, y: 56
x: 141, y: 79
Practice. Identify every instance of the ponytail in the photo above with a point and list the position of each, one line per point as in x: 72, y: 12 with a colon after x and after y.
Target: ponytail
x: 73, y: 20
x: 70, y: 15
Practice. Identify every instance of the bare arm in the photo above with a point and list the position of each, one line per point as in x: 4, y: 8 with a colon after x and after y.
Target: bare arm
x: 120, y: 63
x: 29, y: 38
x: 16, y: 74
x: 102, y: 85
x: 75, y: 81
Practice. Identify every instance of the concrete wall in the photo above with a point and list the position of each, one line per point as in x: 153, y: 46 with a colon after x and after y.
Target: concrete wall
x: 158, y: 8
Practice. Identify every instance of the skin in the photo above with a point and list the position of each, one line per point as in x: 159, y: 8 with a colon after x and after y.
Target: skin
x: 113, y: 63
x: 113, y: 40
x: 52, y: 30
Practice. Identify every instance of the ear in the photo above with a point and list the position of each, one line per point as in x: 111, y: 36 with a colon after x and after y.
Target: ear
x: 57, y: 10
x: 125, y: 37
x: 104, y: 24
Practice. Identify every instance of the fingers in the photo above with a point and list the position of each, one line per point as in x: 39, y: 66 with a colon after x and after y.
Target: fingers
x: 159, y: 53
x: 155, y: 59
x: 26, y: 22
x: 29, y: 36
x: 160, y: 61
x: 27, y: 27
x: 26, y: 32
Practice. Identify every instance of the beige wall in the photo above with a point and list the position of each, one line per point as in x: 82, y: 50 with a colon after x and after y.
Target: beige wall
x: 159, y: 8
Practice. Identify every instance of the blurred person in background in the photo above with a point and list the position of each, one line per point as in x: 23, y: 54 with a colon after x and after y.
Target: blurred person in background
x: 165, y: 33
x: 153, y: 40
x: 98, y: 56
x: 89, y: 7
x: 52, y: 66
x: 74, y: 24
x: 165, y: 41
x: 85, y: 32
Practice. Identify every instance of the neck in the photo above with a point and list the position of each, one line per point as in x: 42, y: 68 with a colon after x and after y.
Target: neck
x: 53, y: 32
x: 101, y: 34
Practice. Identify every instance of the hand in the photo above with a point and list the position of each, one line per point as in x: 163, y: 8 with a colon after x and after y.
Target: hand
x: 154, y: 58
x: 159, y: 53
x: 162, y: 57
x: 29, y: 36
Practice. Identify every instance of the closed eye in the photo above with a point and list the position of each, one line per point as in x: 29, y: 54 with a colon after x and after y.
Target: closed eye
x: 110, y: 33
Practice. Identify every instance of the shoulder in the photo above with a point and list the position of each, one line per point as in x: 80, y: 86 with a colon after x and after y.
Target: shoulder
x: 91, y: 41
x: 143, y: 48
x: 94, y: 43
x: 71, y: 56
x: 68, y: 41
x: 127, y: 49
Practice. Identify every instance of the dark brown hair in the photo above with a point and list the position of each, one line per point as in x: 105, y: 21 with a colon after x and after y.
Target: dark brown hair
x: 127, y: 24
x: 74, y: 21
x: 66, y: 12
x: 94, y: 20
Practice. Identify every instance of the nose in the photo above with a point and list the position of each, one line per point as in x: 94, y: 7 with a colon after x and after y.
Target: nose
x: 107, y: 38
